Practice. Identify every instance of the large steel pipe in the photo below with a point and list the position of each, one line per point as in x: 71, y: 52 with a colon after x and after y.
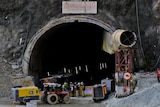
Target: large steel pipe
x: 124, y: 38
x: 117, y: 39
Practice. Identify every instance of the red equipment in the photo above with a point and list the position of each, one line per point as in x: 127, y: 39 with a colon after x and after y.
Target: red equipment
x: 52, y: 93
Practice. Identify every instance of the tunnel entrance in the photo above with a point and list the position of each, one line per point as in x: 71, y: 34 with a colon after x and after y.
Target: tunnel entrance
x: 71, y: 48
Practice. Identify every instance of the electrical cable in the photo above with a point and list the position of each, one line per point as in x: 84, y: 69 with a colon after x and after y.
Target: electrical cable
x: 156, y: 62
x: 138, y: 29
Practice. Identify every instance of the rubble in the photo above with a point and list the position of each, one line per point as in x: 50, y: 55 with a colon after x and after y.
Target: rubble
x: 23, y: 81
x: 146, y: 95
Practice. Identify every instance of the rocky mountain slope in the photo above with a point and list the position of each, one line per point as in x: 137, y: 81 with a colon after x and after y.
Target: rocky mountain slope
x: 21, y: 19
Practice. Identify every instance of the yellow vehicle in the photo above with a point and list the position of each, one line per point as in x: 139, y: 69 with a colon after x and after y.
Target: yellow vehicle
x: 25, y: 94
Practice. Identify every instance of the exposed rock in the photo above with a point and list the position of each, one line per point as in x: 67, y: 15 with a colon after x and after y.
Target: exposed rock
x: 23, y: 81
x: 21, y: 19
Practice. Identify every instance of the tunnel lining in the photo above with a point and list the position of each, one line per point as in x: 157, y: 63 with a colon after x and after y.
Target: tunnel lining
x: 55, y: 22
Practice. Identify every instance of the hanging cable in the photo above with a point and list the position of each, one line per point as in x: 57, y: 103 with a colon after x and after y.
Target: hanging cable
x: 138, y: 29
x: 158, y: 60
x: 156, y: 63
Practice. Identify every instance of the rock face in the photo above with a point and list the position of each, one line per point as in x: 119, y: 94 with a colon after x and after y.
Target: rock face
x: 21, y: 19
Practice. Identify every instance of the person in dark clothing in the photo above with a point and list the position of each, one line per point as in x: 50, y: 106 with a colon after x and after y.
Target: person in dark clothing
x: 158, y: 74
x: 72, y: 89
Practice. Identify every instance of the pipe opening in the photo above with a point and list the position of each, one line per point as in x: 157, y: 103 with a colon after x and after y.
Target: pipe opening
x: 127, y: 38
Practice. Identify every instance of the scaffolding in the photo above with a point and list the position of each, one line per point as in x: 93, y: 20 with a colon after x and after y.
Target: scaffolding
x: 123, y: 72
x: 124, y: 60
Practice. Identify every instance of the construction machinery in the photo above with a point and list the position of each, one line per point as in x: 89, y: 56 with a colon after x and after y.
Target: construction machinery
x: 99, y: 92
x: 25, y: 94
x: 52, y: 92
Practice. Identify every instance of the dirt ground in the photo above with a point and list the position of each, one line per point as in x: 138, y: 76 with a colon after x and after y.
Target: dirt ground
x: 75, y: 102
x: 146, y: 95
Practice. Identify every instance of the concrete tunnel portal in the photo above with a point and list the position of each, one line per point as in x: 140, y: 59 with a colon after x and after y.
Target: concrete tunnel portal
x: 73, y: 47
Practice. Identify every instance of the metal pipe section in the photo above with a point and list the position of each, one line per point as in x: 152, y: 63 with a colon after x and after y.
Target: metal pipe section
x: 124, y: 38
x: 119, y: 38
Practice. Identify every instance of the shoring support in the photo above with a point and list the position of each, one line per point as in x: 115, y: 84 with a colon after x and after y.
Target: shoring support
x: 124, y: 60
x: 123, y: 71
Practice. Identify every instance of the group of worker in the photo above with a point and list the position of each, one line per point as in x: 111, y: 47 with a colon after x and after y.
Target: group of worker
x: 75, y: 89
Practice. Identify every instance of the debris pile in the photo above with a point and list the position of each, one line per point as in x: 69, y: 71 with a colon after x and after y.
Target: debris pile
x: 24, y: 81
x: 146, y: 95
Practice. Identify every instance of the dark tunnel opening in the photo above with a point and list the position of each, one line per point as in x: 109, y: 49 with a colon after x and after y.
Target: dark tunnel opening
x: 74, y: 48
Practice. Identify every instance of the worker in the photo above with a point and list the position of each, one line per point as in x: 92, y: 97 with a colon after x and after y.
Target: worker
x: 77, y: 89
x: 158, y: 74
x: 65, y: 86
x: 83, y: 88
x: 72, y: 89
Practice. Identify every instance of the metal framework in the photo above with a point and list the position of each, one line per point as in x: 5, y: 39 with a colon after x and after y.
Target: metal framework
x: 124, y: 60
